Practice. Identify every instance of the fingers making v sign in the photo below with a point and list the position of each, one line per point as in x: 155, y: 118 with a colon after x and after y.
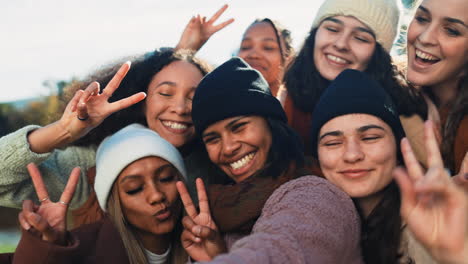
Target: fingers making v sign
x: 88, y: 108
x: 200, y: 237
x: 432, y: 205
x: 48, y: 219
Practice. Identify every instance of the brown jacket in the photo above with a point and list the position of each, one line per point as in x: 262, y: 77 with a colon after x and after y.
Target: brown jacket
x: 98, y: 242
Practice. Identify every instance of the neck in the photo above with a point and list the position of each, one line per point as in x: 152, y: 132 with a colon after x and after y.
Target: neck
x: 274, y: 87
x: 157, y: 244
x: 445, y: 92
x: 367, y: 204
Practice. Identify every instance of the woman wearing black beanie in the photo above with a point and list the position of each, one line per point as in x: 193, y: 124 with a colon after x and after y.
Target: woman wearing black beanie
x: 246, y: 136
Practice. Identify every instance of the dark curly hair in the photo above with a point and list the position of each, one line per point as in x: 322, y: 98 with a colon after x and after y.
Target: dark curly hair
x: 305, y: 85
x: 143, y: 69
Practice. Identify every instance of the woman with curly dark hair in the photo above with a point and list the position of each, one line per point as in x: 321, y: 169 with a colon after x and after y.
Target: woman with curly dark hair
x: 168, y: 78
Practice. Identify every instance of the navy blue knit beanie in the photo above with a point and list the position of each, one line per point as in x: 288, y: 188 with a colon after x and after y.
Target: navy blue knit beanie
x: 232, y: 89
x: 354, y: 92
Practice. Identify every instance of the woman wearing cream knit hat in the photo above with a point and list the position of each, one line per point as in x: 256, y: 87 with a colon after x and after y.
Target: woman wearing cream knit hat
x: 347, y: 34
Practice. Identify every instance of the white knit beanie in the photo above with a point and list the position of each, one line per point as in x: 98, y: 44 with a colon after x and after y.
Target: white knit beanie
x: 382, y: 16
x: 127, y: 145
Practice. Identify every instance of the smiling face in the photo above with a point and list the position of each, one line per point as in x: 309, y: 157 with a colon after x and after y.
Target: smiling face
x: 168, y: 106
x: 148, y: 196
x: 261, y: 50
x: 438, y: 42
x: 342, y: 42
x: 357, y: 153
x: 239, y: 145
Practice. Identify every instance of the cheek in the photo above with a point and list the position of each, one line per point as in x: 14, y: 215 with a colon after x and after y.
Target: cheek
x: 364, y: 55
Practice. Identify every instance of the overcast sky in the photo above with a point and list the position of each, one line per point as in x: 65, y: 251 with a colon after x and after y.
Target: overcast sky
x: 57, y: 40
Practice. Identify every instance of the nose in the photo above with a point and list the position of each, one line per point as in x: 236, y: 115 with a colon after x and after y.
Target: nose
x: 154, y: 195
x: 253, y: 54
x: 181, y: 105
x: 342, y: 42
x: 428, y: 36
x: 353, y: 152
x: 230, y: 146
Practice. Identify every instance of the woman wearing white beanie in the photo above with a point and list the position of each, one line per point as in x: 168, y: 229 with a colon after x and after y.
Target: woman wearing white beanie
x: 137, y: 171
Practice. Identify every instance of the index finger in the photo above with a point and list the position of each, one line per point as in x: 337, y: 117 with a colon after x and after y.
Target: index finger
x: 36, y: 177
x: 186, y: 200
x: 70, y: 188
x: 117, y: 79
x: 434, y: 159
x: 218, y: 13
x: 202, y: 197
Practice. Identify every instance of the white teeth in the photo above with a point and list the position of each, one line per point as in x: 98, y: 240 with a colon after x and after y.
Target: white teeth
x: 425, y: 56
x: 174, y: 125
x: 336, y: 59
x: 242, y: 162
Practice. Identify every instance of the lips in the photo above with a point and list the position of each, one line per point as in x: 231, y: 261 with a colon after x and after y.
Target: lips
x: 355, y: 173
x: 163, y: 214
x: 425, y: 58
x: 337, y: 59
x: 242, y: 165
x: 176, y: 127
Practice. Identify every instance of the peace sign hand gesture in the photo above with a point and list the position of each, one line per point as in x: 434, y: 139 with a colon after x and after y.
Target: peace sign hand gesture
x: 199, y: 30
x: 432, y: 205
x: 200, y: 237
x: 88, y: 108
x: 48, y: 220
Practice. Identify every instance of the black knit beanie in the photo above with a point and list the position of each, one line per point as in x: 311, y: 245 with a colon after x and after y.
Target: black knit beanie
x: 232, y: 89
x: 354, y: 92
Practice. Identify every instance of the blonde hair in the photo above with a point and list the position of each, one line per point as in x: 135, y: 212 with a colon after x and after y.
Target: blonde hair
x: 132, y: 244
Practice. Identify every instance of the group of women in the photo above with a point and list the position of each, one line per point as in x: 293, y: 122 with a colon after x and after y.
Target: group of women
x: 317, y: 157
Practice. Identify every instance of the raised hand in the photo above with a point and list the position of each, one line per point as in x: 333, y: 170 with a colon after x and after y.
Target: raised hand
x: 48, y: 219
x: 200, y: 237
x: 199, y: 30
x: 88, y: 108
x: 433, y: 206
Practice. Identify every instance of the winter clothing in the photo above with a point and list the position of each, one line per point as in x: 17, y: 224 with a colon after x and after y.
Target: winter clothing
x: 354, y: 92
x: 55, y: 167
x: 306, y: 220
x: 381, y: 16
x: 98, y: 242
x: 233, y: 89
x: 127, y: 145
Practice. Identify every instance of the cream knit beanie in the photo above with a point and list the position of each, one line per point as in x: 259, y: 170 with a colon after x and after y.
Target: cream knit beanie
x: 127, y: 145
x: 382, y: 16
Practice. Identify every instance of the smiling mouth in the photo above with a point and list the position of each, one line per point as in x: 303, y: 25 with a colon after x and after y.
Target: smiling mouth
x: 426, y: 58
x: 175, y: 126
x: 241, y: 163
x: 337, y: 59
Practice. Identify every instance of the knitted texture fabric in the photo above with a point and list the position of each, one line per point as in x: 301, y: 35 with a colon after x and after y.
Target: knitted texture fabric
x: 354, y: 92
x: 127, y: 145
x: 381, y: 16
x: 233, y: 89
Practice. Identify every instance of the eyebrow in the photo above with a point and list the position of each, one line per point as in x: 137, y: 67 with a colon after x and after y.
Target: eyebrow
x: 230, y: 124
x: 166, y: 83
x: 448, y: 19
x: 263, y: 39
x: 136, y: 176
x: 362, y: 29
x: 362, y: 129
